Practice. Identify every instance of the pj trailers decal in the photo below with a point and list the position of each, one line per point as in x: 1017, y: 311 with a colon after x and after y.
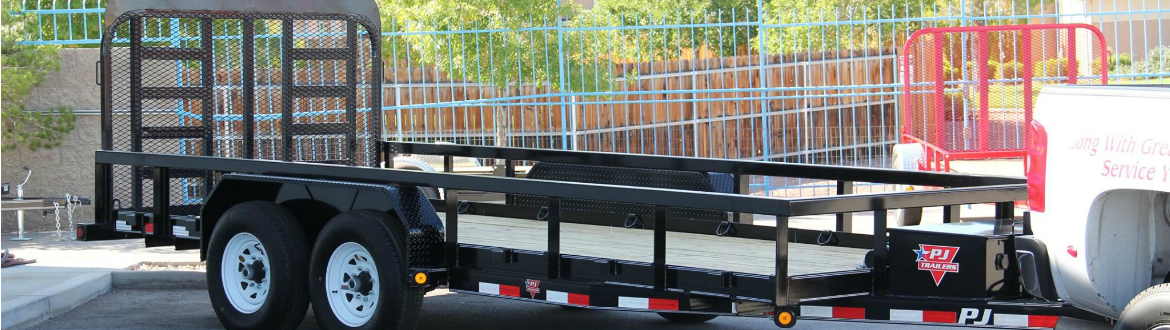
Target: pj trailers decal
x: 938, y: 260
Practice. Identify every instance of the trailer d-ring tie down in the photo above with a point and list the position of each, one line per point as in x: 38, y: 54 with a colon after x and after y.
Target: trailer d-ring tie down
x: 465, y: 207
x: 633, y: 221
x: 827, y: 237
x: 725, y: 227
x: 542, y: 215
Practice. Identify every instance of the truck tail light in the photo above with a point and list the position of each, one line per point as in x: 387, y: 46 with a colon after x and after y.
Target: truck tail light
x: 1036, y: 170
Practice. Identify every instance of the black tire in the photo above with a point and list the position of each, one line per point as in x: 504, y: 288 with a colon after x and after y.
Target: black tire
x: 382, y: 236
x: 687, y: 318
x: 1150, y: 309
x: 287, y: 251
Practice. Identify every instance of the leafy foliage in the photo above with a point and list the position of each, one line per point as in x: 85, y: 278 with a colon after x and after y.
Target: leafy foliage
x: 23, y: 68
x: 513, y: 43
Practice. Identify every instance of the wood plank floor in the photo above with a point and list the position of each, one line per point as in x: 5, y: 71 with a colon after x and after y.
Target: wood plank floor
x: 682, y: 249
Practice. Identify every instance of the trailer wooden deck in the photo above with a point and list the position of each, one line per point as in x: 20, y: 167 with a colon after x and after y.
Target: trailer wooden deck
x: 683, y: 249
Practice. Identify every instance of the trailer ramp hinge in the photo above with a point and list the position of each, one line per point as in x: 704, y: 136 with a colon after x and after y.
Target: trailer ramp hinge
x: 542, y: 215
x: 827, y: 237
x: 633, y: 220
x: 726, y: 227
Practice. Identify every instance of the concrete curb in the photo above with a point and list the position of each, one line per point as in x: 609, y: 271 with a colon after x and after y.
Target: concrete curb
x: 43, y: 304
x: 158, y: 279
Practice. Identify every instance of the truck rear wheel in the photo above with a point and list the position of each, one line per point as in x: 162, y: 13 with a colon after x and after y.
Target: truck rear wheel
x: 257, y: 262
x: 358, y: 274
x: 687, y: 318
x: 1149, y: 310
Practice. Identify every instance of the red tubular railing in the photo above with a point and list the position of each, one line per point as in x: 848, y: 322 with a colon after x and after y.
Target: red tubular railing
x: 937, y: 153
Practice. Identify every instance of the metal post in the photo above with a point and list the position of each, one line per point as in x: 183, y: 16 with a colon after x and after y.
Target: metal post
x: 561, y: 81
x: 984, y: 98
x: 162, y: 202
x: 781, y: 261
x: 659, y: 248
x: 742, y: 187
x: 510, y: 171
x: 1072, y: 57
x: 880, y: 253
x: 286, y: 86
x: 766, y: 135
x: 554, y: 237
x: 939, y: 95
x: 452, y: 227
x: 844, y: 220
x: 249, y: 93
x: 951, y: 213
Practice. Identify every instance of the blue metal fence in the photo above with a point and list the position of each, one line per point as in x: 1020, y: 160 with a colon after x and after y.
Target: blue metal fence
x: 808, y: 85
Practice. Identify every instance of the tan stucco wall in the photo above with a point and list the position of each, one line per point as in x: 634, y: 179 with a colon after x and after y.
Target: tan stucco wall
x: 68, y: 168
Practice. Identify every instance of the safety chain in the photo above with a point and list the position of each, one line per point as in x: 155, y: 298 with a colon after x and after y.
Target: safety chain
x: 57, y: 214
x: 70, y: 206
x: 72, y: 201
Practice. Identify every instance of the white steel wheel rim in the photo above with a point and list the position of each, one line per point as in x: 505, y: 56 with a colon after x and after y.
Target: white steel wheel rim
x: 351, y: 284
x: 245, y: 273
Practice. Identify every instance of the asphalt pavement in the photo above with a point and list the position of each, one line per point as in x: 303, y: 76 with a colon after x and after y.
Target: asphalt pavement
x: 191, y: 310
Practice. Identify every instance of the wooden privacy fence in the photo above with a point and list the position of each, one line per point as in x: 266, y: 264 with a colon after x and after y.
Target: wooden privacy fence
x: 819, y: 106
x: 705, y: 107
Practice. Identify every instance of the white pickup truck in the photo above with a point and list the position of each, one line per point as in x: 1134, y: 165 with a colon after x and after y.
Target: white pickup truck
x: 1099, y: 192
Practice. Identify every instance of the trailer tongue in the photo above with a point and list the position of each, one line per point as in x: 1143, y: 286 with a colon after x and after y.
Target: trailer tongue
x: 291, y: 203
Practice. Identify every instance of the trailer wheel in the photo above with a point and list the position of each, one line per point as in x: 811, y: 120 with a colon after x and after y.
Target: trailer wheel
x: 358, y: 274
x: 257, y: 262
x: 1148, y: 310
x: 687, y: 318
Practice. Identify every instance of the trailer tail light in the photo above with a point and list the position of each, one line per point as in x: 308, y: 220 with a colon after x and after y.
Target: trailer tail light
x: 1036, y: 170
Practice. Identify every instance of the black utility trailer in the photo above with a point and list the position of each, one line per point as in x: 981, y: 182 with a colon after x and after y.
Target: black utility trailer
x: 291, y: 203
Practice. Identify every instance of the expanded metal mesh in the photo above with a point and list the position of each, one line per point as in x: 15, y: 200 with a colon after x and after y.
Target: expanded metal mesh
x: 971, y: 90
x: 294, y: 87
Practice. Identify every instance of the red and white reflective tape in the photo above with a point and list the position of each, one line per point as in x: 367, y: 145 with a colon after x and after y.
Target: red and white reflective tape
x: 566, y: 298
x: 648, y: 303
x: 833, y: 312
x: 1035, y: 321
x: 909, y: 315
x: 499, y: 289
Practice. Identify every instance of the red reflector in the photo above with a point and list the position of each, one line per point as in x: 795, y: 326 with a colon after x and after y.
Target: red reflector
x: 149, y: 228
x: 848, y: 312
x: 663, y: 304
x: 1072, y: 251
x: 1036, y: 170
x: 940, y: 317
x: 1042, y: 321
x: 578, y: 299
x: 508, y: 290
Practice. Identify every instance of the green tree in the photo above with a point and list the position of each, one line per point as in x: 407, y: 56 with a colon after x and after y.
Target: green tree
x: 515, y: 42
x: 721, y: 35
x: 795, y: 35
x: 23, y: 68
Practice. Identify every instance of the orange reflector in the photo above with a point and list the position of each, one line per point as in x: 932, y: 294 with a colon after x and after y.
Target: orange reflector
x: 785, y: 317
x: 420, y: 278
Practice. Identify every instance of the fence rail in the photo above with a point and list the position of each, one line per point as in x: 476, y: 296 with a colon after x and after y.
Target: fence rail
x: 804, y: 85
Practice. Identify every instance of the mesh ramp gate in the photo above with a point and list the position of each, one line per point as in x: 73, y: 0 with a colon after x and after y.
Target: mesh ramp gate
x: 294, y: 87
x: 969, y: 91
